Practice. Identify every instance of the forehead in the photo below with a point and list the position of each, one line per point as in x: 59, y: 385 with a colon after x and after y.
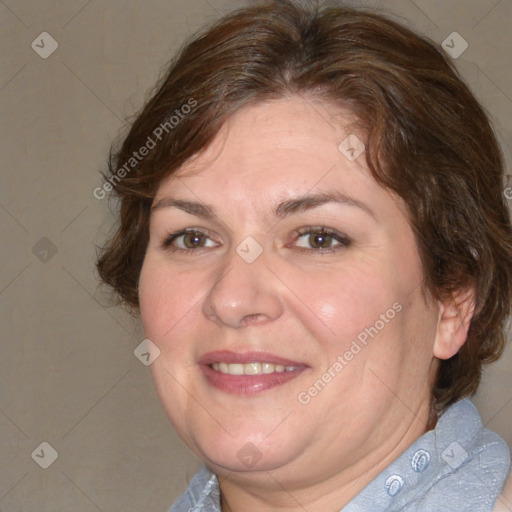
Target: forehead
x: 278, y: 150
x: 294, y: 126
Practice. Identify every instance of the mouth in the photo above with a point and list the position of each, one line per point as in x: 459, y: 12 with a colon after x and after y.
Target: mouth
x: 248, y: 373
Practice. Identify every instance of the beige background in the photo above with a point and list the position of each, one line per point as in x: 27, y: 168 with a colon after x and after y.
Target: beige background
x: 68, y: 375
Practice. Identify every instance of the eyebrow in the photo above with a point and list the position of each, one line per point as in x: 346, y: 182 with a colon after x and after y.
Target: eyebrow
x: 192, y: 207
x: 311, y: 201
x: 284, y: 209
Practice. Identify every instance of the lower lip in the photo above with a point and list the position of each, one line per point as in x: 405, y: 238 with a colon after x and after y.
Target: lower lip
x: 248, y: 384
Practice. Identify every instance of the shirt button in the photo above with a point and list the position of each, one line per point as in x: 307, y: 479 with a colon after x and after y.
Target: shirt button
x: 420, y: 460
x: 394, y: 484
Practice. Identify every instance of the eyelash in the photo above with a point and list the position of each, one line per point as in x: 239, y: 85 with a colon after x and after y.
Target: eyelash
x: 342, y: 240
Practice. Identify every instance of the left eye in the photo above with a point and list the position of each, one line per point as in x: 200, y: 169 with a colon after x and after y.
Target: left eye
x: 321, y: 239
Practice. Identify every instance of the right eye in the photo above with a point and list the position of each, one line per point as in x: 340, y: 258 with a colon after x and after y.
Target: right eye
x: 188, y: 240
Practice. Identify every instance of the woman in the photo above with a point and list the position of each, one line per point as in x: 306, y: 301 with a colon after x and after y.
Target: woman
x: 313, y: 229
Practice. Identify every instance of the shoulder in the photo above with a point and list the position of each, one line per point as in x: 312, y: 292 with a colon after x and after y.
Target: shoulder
x: 471, y: 464
x: 487, y: 460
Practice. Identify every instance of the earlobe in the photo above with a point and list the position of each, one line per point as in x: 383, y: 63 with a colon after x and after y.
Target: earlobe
x: 453, y: 323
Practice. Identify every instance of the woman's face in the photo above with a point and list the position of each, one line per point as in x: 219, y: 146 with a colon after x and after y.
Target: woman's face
x: 276, y: 248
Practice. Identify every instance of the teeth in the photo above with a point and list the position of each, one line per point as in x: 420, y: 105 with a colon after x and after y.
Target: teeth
x: 267, y: 368
x: 251, y: 368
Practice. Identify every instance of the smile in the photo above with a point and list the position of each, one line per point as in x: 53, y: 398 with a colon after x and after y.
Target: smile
x: 248, y: 373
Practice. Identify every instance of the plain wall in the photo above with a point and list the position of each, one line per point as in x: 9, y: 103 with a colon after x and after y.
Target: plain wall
x: 68, y: 375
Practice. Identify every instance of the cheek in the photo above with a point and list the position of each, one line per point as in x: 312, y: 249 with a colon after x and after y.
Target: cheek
x: 345, y: 302
x: 167, y: 300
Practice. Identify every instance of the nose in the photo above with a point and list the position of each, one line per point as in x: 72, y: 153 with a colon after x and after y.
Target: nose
x: 243, y: 294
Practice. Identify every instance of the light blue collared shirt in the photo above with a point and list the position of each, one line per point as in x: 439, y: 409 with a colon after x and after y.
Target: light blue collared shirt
x: 460, y: 466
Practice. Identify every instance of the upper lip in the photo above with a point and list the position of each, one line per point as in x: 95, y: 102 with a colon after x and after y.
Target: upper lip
x: 226, y: 356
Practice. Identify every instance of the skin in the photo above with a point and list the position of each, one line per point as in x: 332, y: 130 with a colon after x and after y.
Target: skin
x: 298, y: 302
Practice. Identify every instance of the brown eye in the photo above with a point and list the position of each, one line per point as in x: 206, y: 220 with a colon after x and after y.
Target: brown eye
x: 194, y: 240
x: 320, y: 240
x: 188, y: 240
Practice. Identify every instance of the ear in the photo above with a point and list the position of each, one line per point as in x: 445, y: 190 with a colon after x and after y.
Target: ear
x: 453, y: 323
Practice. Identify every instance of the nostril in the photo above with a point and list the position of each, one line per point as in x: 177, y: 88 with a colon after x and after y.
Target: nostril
x: 251, y: 319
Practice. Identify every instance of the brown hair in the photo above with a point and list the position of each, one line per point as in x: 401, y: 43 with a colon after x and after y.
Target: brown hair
x: 428, y: 141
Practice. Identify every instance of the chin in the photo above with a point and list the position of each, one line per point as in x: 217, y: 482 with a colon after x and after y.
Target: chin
x: 241, y: 454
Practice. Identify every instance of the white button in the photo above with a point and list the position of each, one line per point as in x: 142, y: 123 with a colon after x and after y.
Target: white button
x: 394, y: 484
x: 420, y: 460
